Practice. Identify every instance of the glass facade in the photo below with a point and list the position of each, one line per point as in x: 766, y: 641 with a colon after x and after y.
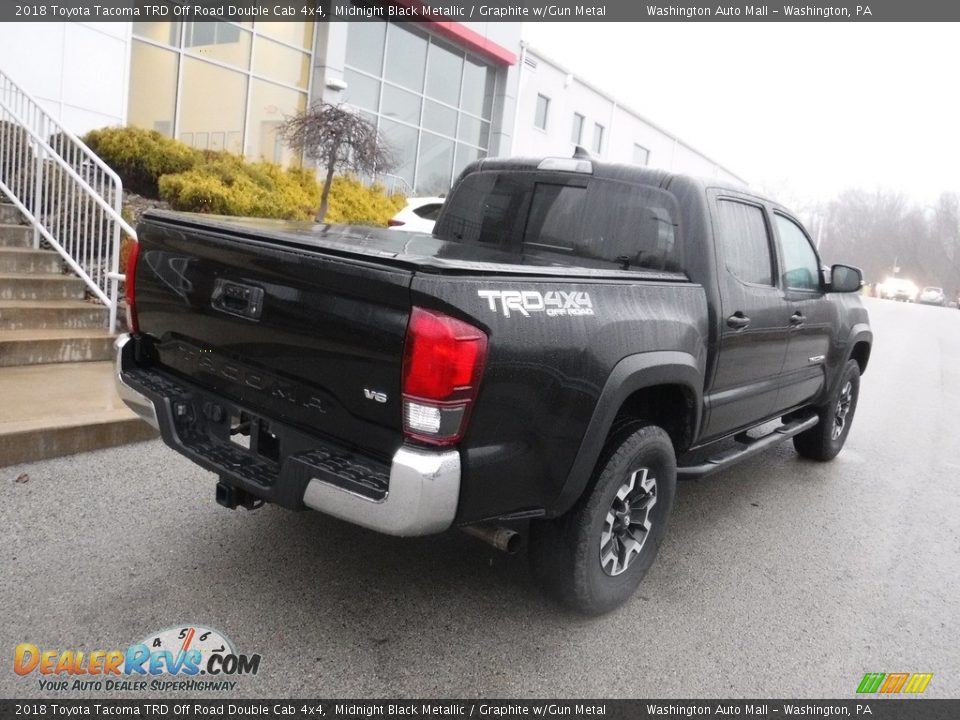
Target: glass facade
x: 431, y: 101
x: 221, y: 86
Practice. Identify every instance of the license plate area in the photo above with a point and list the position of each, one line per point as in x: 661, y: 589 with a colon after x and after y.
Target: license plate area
x: 255, y: 435
x: 273, y: 458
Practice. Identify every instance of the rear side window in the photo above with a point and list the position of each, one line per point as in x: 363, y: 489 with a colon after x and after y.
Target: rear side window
x: 745, y: 242
x: 600, y: 223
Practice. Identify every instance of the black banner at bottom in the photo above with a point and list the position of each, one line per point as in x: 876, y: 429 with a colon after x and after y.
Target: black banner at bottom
x: 872, y: 708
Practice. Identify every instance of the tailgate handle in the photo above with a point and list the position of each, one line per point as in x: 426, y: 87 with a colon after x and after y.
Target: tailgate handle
x: 234, y: 298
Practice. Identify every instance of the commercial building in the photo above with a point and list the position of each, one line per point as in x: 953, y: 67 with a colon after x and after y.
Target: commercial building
x: 441, y: 93
x: 558, y: 111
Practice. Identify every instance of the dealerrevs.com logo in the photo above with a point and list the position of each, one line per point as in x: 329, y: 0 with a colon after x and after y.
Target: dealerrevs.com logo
x: 182, y: 658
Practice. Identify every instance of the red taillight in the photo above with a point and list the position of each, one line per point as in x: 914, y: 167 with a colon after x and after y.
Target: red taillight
x: 131, y: 288
x: 395, y: 223
x: 443, y: 362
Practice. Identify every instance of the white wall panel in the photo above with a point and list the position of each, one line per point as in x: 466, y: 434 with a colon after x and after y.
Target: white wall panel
x: 622, y: 127
x: 78, y: 71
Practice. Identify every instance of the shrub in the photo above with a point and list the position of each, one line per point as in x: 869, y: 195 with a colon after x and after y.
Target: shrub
x: 225, y: 184
x: 357, y: 204
x: 157, y: 167
x: 140, y: 157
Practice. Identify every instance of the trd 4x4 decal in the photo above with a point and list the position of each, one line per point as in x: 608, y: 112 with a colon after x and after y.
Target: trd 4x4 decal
x: 554, y: 303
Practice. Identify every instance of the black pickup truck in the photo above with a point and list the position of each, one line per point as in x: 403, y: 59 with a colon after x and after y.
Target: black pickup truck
x: 573, y: 338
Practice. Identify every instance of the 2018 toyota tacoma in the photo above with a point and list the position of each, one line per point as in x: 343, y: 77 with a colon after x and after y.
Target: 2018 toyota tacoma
x: 573, y: 338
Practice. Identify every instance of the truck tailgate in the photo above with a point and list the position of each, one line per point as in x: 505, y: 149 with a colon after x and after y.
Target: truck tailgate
x: 312, y: 338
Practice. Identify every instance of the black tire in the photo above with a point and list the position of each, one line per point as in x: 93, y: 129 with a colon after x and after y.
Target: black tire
x: 824, y: 440
x: 565, y: 553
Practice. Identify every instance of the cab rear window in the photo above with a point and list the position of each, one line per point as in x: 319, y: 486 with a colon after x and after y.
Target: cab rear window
x: 566, y: 218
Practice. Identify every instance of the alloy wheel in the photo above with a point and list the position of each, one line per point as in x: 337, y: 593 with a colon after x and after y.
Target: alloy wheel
x: 843, y: 409
x: 627, y: 524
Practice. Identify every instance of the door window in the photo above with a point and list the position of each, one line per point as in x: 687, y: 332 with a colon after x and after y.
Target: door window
x: 801, y: 271
x: 745, y: 243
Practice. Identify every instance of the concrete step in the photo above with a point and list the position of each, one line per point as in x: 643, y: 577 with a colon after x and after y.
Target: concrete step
x: 25, y: 286
x: 54, y: 410
x: 28, y: 260
x: 9, y: 214
x: 51, y: 314
x: 37, y: 347
x: 13, y: 235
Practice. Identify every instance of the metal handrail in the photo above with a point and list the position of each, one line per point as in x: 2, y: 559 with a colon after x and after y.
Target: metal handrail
x: 70, y: 196
x: 394, y: 179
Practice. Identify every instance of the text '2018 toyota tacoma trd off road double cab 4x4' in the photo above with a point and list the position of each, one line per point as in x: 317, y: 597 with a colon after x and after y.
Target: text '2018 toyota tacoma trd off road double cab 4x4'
x: 564, y: 346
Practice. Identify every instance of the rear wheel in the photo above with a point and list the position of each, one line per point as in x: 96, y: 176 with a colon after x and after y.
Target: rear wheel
x: 593, y: 558
x: 826, y: 438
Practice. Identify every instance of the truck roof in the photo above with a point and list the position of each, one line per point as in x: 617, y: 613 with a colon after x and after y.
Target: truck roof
x: 626, y: 172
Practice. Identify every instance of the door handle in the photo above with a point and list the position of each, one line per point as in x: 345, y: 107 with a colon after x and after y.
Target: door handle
x: 738, y: 321
x: 798, y: 318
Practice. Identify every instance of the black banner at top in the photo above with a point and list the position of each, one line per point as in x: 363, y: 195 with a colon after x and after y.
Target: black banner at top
x: 478, y: 11
x: 437, y: 709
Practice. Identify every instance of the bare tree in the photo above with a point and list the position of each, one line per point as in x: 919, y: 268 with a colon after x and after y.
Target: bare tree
x: 881, y: 230
x: 337, y: 139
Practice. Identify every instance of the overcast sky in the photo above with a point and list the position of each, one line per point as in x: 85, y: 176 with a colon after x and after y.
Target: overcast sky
x: 802, y: 110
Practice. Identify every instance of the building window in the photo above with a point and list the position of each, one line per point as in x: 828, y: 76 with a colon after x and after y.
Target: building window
x: 270, y: 104
x: 221, y: 42
x: 597, y: 138
x: 212, y: 106
x: 153, y: 87
x: 221, y: 86
x: 576, y: 133
x: 641, y: 156
x: 431, y: 102
x: 540, y: 115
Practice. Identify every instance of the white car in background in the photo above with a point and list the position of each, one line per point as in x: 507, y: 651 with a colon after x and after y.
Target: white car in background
x: 899, y: 289
x: 932, y: 296
x: 419, y: 215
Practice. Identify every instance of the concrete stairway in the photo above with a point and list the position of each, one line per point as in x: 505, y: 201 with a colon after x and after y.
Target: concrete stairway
x: 56, y: 374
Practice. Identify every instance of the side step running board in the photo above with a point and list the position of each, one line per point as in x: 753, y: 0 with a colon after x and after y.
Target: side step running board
x: 756, y: 445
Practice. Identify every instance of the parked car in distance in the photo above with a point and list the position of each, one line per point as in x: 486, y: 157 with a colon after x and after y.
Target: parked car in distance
x: 899, y: 289
x: 419, y: 215
x: 932, y: 296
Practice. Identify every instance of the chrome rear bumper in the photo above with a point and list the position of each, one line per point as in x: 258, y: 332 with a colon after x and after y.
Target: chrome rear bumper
x: 421, y: 498
x: 135, y: 400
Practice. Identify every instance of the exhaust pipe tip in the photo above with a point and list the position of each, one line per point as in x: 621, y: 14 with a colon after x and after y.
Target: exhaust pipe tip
x: 501, y: 538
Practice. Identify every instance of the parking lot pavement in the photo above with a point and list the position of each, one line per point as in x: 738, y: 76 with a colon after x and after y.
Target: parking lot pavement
x: 781, y: 577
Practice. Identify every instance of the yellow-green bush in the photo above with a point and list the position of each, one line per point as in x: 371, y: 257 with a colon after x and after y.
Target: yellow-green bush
x: 227, y: 185
x: 355, y: 203
x: 219, y: 183
x: 140, y: 157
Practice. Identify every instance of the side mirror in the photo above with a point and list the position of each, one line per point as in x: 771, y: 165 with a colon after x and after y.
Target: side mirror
x: 845, y: 278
